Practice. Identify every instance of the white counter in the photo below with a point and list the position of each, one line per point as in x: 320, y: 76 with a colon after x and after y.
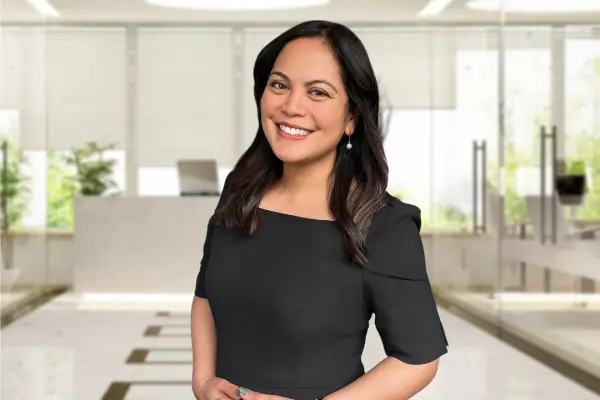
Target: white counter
x: 139, y: 244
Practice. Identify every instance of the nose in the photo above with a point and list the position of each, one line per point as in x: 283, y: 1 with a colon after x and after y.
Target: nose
x: 293, y: 105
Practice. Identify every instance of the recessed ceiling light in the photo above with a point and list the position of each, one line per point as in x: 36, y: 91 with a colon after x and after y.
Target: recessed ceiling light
x: 238, y: 5
x: 536, y: 6
x: 434, y: 8
x: 44, y: 7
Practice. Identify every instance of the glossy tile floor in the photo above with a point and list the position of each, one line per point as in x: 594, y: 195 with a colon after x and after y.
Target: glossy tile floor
x: 138, y: 347
x: 566, y: 322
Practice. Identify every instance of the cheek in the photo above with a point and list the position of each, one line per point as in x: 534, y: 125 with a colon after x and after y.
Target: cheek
x: 330, y: 119
x: 268, y: 104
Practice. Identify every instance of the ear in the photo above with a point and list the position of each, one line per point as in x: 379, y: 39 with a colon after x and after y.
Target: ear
x: 351, y: 124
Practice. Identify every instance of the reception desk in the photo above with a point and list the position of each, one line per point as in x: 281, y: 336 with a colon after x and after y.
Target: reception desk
x: 139, y: 244
x: 155, y: 245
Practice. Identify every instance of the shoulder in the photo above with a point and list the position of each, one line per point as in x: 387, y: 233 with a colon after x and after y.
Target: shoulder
x: 394, y: 244
x: 394, y: 213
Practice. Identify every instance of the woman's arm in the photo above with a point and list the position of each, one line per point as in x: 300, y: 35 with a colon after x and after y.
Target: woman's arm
x: 391, y: 379
x: 204, y: 343
x: 398, y: 290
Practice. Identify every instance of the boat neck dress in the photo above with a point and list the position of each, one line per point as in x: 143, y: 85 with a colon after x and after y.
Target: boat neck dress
x: 291, y: 315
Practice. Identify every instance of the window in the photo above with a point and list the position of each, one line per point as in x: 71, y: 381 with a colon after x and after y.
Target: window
x: 17, y: 182
x: 582, y: 91
x: 61, y: 185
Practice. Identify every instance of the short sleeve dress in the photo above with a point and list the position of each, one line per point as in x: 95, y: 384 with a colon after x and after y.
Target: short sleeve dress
x: 291, y: 316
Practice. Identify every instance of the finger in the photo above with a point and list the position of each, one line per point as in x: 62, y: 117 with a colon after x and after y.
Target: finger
x: 222, y: 396
x: 220, y: 392
x: 247, y: 394
x: 230, y: 389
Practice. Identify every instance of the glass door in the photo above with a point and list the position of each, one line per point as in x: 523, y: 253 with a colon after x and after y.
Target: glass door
x: 526, y: 144
x: 463, y: 195
x: 582, y: 122
x: 551, y: 157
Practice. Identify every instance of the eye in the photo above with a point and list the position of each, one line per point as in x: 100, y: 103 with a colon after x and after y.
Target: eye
x: 318, y: 93
x: 278, y: 85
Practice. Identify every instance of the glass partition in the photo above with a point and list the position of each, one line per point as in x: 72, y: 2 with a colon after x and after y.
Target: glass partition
x: 552, y: 236
x: 463, y: 203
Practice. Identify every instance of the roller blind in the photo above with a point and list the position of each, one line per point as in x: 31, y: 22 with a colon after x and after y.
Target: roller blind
x: 85, y: 72
x: 9, y: 69
x: 68, y: 85
x: 185, y: 96
x: 23, y: 82
x: 415, y: 69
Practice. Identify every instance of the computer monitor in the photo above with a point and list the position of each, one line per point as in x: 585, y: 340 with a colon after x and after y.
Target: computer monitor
x: 198, y: 177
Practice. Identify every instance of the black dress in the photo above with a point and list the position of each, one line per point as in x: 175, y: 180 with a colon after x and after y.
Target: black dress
x: 291, y: 316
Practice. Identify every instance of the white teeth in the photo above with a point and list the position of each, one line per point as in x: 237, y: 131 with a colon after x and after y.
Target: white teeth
x: 293, y: 131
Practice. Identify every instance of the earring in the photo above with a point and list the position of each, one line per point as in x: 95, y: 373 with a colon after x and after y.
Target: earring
x: 349, y: 145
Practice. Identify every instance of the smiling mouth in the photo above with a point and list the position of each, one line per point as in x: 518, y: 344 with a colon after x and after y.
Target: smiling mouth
x: 293, y: 131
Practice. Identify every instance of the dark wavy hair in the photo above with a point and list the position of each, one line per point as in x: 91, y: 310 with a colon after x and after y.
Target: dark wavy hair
x: 359, y: 178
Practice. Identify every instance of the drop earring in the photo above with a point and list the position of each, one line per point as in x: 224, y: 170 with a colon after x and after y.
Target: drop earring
x: 349, y: 145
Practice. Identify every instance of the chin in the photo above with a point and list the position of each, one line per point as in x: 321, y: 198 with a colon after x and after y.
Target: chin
x: 290, y: 157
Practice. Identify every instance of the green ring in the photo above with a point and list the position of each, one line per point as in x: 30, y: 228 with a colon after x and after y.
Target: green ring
x: 241, y: 391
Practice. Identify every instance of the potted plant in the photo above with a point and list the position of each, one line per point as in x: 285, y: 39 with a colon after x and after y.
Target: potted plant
x: 14, y: 185
x: 571, y: 186
x: 62, y: 188
x: 93, y: 171
x: 14, y: 198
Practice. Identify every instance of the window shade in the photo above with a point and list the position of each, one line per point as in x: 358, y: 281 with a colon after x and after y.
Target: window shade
x: 185, y: 96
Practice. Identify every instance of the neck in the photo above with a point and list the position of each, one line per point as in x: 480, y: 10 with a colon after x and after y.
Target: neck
x: 306, y: 180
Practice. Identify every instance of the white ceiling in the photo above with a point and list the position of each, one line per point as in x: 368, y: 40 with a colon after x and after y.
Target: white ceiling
x: 368, y: 11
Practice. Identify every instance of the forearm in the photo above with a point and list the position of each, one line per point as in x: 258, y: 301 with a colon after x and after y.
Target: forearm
x: 203, y: 340
x: 391, y: 379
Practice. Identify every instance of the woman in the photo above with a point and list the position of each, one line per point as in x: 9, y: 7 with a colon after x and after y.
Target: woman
x: 305, y: 244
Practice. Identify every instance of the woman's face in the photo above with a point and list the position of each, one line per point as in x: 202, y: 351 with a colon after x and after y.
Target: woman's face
x: 304, y: 109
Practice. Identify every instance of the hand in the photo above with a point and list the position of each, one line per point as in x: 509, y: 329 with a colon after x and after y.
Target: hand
x: 247, y: 394
x: 216, y: 389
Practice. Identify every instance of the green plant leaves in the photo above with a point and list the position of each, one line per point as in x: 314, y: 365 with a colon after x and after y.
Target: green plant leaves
x: 93, y: 171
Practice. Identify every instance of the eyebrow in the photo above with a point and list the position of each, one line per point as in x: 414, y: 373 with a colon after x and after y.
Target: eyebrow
x: 309, y: 83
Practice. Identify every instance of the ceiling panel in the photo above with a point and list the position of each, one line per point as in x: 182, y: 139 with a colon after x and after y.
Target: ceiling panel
x: 370, y: 11
x: 458, y: 11
x: 138, y: 10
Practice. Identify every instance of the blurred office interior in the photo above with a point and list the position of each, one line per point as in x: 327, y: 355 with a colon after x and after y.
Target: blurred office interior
x: 116, y: 115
